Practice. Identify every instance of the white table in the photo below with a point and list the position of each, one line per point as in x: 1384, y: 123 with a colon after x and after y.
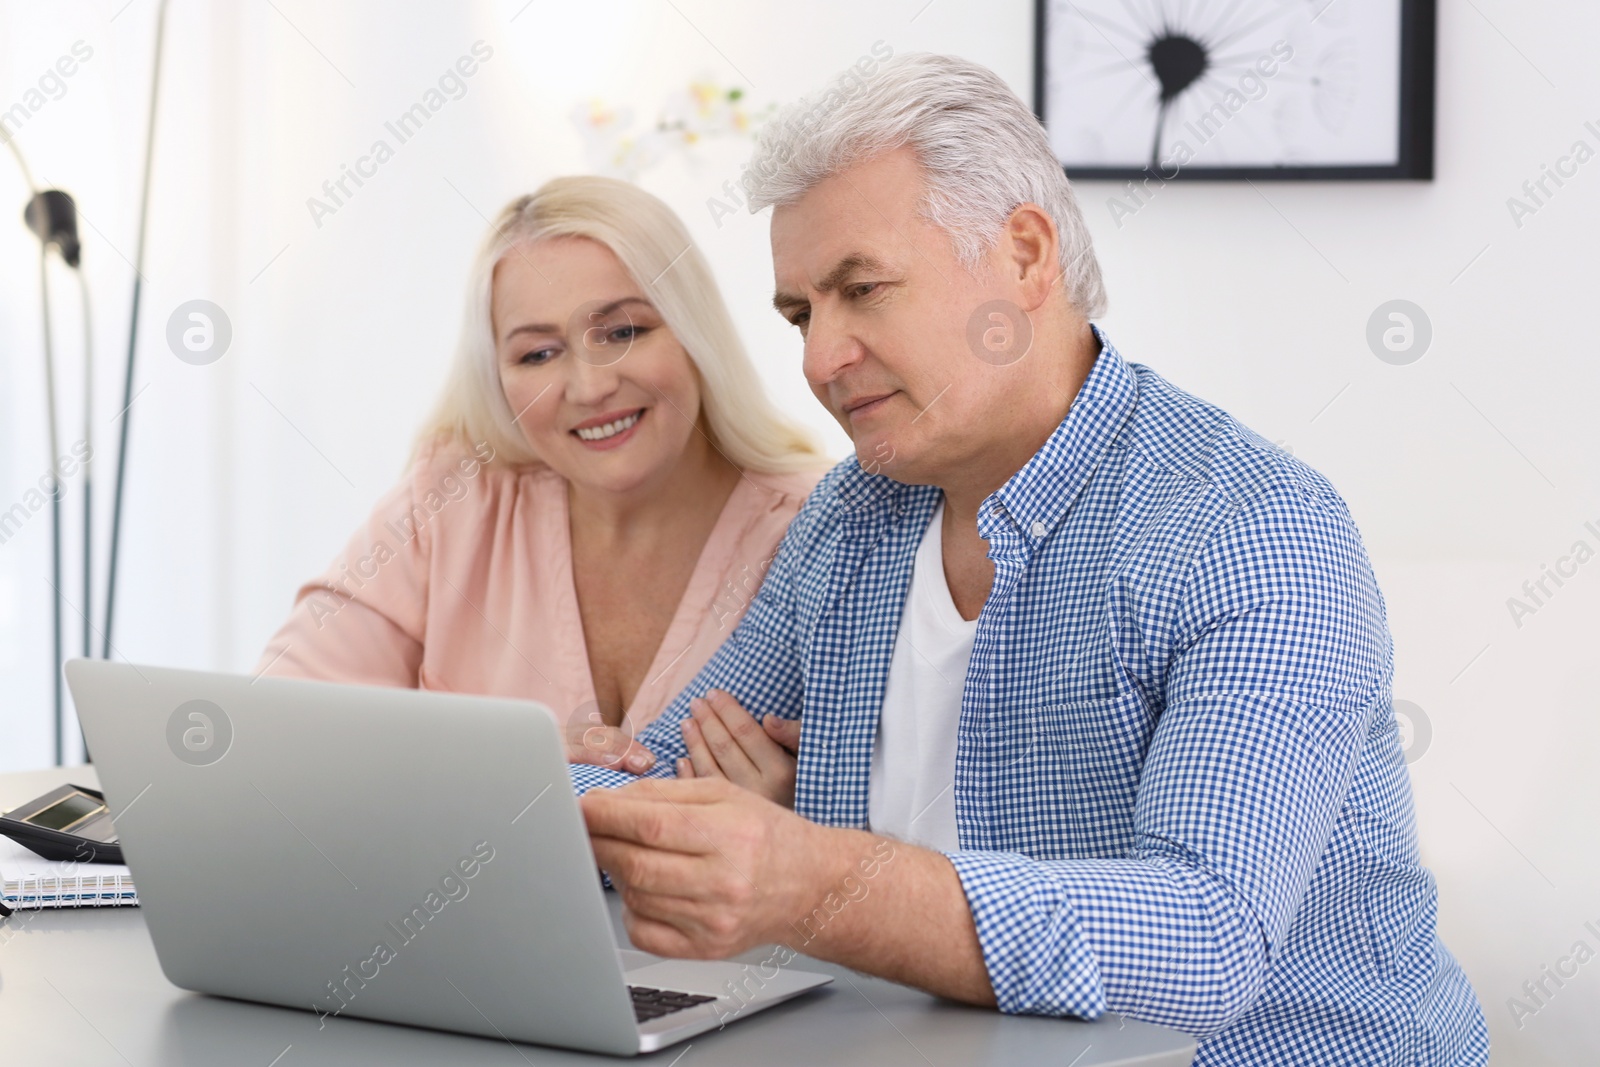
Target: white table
x: 84, y: 987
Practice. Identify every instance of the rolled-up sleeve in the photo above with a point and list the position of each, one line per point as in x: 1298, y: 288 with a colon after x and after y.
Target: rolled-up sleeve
x: 1279, y: 659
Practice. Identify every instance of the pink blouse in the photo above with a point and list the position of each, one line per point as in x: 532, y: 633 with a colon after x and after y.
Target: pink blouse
x: 461, y: 580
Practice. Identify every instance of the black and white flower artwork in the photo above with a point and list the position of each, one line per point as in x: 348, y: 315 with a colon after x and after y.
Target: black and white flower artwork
x: 1238, y: 88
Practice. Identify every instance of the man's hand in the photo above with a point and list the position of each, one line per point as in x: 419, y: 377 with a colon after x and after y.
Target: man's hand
x: 706, y: 869
x: 590, y: 740
x: 725, y: 741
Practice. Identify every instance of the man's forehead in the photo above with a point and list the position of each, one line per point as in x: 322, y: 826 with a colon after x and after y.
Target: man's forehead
x: 831, y: 264
x: 870, y: 208
x: 810, y: 255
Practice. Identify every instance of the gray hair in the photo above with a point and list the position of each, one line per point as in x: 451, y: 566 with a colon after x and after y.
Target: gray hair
x: 982, y: 151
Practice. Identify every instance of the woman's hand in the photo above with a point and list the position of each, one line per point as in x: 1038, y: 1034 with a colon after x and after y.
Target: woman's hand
x: 725, y: 741
x: 589, y: 740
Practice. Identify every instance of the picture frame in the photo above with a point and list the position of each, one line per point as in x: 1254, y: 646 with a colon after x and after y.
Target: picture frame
x: 1271, y: 90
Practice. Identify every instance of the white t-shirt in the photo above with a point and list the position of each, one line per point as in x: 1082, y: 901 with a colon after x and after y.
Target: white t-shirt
x: 911, y: 790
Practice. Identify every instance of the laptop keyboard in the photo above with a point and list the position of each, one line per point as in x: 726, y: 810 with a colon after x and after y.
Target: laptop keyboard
x: 651, y: 1003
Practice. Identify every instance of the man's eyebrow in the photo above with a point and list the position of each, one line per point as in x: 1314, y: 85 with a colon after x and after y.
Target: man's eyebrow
x: 854, y: 263
x: 785, y: 302
x: 599, y: 312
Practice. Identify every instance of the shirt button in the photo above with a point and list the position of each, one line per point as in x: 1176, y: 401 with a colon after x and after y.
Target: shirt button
x: 1038, y: 529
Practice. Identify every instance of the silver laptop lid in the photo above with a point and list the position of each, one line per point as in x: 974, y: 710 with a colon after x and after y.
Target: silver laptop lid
x: 395, y: 854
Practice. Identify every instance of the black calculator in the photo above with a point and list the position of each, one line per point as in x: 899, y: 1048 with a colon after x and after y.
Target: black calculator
x: 69, y: 823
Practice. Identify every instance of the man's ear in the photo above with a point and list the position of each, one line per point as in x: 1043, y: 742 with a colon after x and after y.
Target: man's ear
x: 1032, y: 258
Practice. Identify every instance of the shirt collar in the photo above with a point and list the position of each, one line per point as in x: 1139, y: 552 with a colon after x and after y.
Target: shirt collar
x: 1034, y: 500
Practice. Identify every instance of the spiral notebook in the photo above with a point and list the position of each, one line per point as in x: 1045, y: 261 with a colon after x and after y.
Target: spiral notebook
x: 28, y: 880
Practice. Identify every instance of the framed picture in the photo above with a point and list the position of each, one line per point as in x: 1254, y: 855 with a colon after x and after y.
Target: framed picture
x: 1231, y: 89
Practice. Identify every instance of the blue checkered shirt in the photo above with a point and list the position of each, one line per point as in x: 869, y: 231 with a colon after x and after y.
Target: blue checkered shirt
x: 1179, y: 785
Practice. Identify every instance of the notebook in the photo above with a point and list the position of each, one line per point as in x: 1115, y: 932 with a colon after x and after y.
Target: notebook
x: 28, y: 880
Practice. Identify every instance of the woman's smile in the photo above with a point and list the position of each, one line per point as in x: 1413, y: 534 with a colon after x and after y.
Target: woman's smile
x: 609, y: 430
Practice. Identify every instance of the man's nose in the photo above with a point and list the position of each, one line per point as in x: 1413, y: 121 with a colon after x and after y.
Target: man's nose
x: 830, y: 349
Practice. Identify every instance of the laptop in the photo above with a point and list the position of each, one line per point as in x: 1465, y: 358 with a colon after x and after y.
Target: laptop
x: 409, y: 856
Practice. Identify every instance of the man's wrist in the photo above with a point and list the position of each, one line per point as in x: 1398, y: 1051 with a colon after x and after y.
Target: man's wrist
x: 838, y: 868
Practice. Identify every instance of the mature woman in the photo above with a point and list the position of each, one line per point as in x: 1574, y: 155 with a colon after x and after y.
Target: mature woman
x: 596, y: 497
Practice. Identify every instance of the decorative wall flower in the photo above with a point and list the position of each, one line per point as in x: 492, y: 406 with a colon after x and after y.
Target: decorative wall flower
x: 702, y: 110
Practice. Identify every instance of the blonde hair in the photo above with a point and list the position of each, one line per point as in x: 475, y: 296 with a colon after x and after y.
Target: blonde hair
x: 655, y: 249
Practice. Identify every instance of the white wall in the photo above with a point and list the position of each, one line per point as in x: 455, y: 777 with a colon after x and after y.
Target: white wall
x: 1468, y: 470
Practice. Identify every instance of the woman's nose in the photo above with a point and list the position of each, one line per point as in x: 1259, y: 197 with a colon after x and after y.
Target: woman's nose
x: 593, y: 372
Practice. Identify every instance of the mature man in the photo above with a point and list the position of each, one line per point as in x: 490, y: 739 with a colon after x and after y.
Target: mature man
x: 1094, y: 682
